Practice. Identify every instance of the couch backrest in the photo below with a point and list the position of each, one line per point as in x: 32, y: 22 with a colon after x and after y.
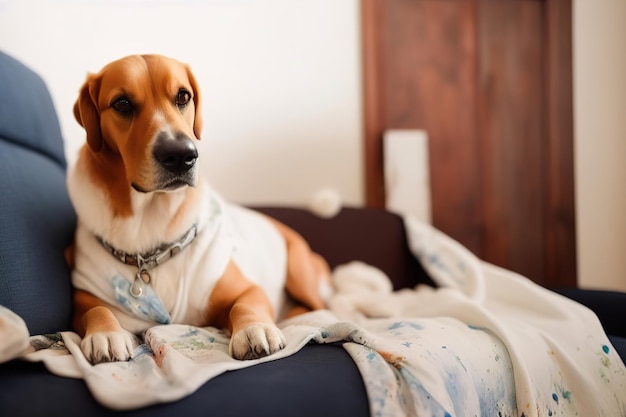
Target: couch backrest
x: 36, y: 218
x: 376, y: 237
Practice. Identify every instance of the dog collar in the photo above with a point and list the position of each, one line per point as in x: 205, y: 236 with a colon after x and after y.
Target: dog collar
x: 146, y: 261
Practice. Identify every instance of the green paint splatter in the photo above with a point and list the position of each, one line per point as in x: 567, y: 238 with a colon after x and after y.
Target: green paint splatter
x: 567, y: 395
x: 606, y: 362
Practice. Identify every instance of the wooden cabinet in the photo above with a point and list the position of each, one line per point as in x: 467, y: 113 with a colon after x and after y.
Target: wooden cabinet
x: 491, y: 83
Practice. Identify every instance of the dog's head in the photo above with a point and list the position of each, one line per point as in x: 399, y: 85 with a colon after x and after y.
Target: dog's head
x: 144, y: 110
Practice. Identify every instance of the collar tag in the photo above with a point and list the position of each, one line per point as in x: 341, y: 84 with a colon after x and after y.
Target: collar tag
x: 141, y: 277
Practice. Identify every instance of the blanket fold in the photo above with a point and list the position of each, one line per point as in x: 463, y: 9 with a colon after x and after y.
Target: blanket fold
x: 13, y: 333
x: 486, y: 342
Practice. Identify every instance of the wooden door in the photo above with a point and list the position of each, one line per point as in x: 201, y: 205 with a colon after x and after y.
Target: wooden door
x: 490, y: 81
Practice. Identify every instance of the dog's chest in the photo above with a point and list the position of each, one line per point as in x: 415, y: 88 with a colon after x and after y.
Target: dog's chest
x: 156, y: 295
x: 178, y: 290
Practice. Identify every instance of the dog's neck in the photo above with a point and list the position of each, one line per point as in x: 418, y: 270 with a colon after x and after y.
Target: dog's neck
x: 130, y: 220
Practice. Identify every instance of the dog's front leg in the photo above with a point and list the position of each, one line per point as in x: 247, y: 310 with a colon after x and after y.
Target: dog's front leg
x: 254, y: 334
x: 245, y: 309
x: 104, y: 339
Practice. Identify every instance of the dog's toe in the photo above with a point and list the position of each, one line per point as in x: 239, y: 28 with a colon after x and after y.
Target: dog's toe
x: 107, y: 346
x: 256, y: 341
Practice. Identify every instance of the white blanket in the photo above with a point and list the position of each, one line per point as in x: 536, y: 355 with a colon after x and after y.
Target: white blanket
x: 486, y: 343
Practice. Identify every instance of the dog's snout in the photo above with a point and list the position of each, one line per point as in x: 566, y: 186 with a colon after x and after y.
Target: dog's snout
x: 177, y: 155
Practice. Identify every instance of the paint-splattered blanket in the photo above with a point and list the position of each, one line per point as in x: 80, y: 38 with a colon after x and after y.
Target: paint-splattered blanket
x: 486, y: 343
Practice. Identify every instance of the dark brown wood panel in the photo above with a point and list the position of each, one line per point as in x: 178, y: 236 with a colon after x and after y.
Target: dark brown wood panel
x: 511, y: 118
x: 491, y: 83
x: 560, y: 208
x: 430, y: 85
x: 373, y: 102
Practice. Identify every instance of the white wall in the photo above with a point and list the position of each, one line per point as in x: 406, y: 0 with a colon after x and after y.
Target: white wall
x: 280, y: 79
x: 599, y: 36
x: 600, y: 144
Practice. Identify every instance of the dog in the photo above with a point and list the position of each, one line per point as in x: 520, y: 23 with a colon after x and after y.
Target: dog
x: 154, y: 243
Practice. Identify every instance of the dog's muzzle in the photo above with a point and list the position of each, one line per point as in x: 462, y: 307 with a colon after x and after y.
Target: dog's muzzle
x: 176, y: 157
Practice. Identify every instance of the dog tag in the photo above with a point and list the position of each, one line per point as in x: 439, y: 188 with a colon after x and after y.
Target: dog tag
x: 136, y: 289
x: 142, y: 277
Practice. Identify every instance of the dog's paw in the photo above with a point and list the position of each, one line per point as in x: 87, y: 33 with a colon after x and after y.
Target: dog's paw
x: 107, y: 346
x: 256, y: 341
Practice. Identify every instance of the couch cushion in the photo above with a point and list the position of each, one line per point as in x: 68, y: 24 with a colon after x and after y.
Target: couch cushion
x: 36, y: 217
x: 319, y: 380
x: 36, y: 224
x: 27, y: 115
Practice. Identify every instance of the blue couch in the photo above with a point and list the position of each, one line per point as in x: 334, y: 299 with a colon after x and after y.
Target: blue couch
x: 37, y: 223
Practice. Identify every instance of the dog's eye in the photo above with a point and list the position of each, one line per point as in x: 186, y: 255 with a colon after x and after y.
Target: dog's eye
x: 123, y: 106
x: 182, y: 98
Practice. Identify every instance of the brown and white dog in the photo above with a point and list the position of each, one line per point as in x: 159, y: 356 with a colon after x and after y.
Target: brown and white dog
x: 154, y: 244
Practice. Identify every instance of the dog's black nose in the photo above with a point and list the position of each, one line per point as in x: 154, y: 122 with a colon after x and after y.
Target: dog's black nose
x: 177, y: 155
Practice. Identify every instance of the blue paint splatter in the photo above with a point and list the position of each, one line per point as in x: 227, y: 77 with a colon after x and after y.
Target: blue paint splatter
x: 415, y: 385
x: 555, y: 397
x: 399, y: 324
x: 371, y: 356
x: 380, y: 401
x: 189, y: 333
x: 407, y: 344
x: 605, y: 349
x: 142, y: 349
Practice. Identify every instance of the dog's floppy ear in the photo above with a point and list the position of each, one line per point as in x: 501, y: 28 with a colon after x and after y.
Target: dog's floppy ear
x: 86, y: 111
x: 197, y: 121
